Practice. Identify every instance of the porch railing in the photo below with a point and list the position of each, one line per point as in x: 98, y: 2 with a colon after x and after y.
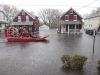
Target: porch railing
x: 73, y: 30
x: 77, y: 30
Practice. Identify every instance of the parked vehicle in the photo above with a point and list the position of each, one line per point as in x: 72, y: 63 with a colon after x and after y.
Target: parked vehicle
x: 90, y: 32
x: 87, y: 31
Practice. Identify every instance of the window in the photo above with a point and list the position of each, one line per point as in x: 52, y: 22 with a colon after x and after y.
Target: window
x: 19, y: 18
x: 70, y: 26
x: 27, y: 18
x: 23, y: 13
x: 75, y: 17
x: 66, y: 17
x: 77, y: 26
x: 71, y: 12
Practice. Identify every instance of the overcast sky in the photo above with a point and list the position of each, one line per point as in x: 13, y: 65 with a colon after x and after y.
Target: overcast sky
x: 35, y: 5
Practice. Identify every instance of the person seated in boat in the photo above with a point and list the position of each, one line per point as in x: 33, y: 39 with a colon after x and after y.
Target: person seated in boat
x: 26, y: 34
x: 20, y: 31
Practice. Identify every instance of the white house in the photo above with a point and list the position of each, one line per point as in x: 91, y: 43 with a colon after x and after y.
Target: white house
x: 3, y: 20
x: 43, y: 27
x: 92, y: 22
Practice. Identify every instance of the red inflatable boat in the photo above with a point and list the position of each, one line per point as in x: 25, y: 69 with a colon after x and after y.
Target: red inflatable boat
x: 23, y: 39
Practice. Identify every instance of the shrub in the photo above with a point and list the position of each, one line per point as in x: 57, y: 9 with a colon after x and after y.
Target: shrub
x: 66, y: 61
x: 98, y: 63
x: 75, y: 62
x: 78, y: 61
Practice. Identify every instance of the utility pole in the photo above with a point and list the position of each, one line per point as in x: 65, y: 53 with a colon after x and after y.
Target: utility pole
x: 94, y: 34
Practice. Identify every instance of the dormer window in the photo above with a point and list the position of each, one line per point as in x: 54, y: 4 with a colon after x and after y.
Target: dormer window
x: 71, y: 12
x: 23, y: 13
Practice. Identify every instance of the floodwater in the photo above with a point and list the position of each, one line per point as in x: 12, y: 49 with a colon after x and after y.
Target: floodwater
x: 44, y: 58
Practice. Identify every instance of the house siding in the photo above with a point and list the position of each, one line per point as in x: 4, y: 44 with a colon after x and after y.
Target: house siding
x: 23, y: 18
x: 35, y: 26
x: 71, y: 16
x: 3, y: 20
x: 92, y: 23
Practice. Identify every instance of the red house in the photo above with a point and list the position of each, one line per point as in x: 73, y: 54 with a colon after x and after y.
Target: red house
x: 70, y: 22
x: 24, y: 18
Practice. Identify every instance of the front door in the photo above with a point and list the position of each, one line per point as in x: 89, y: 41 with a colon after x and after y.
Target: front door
x: 66, y: 28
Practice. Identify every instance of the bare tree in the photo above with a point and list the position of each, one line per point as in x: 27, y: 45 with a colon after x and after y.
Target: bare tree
x: 92, y: 12
x: 98, y: 10
x: 50, y: 16
x: 10, y: 10
x: 32, y: 12
x: 43, y: 15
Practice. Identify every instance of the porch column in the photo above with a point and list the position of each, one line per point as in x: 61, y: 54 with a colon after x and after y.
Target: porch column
x: 68, y: 28
x: 62, y: 29
x: 65, y: 27
x: 75, y: 28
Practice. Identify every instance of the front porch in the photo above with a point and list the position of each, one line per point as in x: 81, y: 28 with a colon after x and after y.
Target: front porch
x: 71, y: 28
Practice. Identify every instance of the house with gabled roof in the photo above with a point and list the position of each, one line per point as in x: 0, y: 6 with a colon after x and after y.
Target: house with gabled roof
x: 92, y: 22
x: 70, y: 22
x: 4, y: 20
x: 24, y: 18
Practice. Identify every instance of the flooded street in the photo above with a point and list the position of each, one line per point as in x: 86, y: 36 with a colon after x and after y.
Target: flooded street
x: 43, y: 58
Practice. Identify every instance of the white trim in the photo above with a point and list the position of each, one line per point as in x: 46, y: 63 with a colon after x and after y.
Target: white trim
x: 68, y: 28
x: 70, y: 11
x: 75, y: 28
x: 25, y: 12
x: 67, y: 16
x: 27, y: 18
x: 76, y: 17
x: 61, y: 28
x: 19, y: 18
x: 73, y: 11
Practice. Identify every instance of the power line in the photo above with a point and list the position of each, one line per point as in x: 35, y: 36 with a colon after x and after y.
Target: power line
x: 59, y: 5
x: 86, y: 5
